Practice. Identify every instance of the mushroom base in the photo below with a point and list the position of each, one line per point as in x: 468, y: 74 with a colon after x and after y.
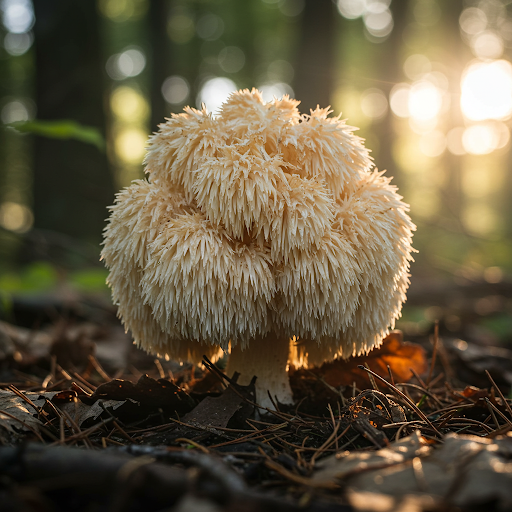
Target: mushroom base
x: 267, y: 358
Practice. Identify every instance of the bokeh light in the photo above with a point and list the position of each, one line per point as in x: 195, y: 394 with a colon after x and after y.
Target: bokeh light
x: 351, y: 9
x: 416, y: 66
x: 17, y: 110
x: 493, y: 274
x: 231, y: 59
x: 210, y: 27
x: 129, y: 105
x: 175, y: 90
x: 487, y: 45
x: 123, y: 10
x: 128, y: 63
x: 130, y: 145
x: 425, y: 101
x: 399, y: 99
x: 17, y: 15
x: 18, y: 44
x: 483, y: 138
x: 473, y: 21
x: 378, y: 20
x: 214, y: 92
x: 275, y: 90
x: 16, y: 217
x: 377, y: 17
x: 487, y: 90
x: 374, y: 103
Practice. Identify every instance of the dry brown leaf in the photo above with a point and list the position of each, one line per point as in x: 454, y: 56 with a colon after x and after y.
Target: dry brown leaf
x: 80, y: 412
x: 18, y: 415
x: 465, y: 471
x: 216, y: 411
x: 346, y: 464
x: 399, y: 355
x: 147, y: 392
x: 474, y: 392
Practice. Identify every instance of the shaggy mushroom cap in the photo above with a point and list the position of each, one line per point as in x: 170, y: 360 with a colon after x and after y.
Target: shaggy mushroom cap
x: 256, y: 226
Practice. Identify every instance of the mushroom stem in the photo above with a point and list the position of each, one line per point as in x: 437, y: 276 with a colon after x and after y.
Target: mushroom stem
x: 268, y: 360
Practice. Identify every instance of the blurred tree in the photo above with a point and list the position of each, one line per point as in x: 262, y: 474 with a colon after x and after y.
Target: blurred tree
x: 72, y: 181
x: 162, y: 62
x: 314, y: 60
x: 390, y: 72
x: 455, y: 60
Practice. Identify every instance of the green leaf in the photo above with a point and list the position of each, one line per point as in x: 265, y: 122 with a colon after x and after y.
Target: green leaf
x: 62, y: 129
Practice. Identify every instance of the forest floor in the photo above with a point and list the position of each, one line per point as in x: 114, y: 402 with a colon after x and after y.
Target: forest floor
x: 90, y: 423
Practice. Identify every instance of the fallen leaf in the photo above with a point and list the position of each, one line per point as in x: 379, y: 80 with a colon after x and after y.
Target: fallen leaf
x: 345, y: 464
x: 362, y: 501
x: 465, y: 471
x: 25, y: 417
x: 399, y: 355
x: 22, y: 412
x: 80, y: 412
x: 496, y: 360
x: 147, y: 392
x: 217, y: 411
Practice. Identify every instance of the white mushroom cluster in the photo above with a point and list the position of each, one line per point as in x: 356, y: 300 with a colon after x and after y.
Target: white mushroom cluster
x: 257, y: 226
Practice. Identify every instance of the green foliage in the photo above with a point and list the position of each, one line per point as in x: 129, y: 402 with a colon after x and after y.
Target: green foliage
x: 500, y: 325
x: 37, y: 277
x: 62, y: 129
x: 42, y: 277
x: 89, y: 280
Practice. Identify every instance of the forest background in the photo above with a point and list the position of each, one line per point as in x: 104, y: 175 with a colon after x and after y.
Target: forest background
x: 428, y: 82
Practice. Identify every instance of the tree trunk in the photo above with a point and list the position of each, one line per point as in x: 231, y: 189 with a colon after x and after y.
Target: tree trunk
x: 390, y: 74
x: 314, y: 62
x: 161, y: 60
x: 72, y: 181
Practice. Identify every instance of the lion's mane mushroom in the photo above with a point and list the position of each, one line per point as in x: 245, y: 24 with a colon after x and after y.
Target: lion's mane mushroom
x: 256, y: 226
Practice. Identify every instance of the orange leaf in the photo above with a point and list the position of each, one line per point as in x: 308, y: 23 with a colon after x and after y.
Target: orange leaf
x: 399, y: 355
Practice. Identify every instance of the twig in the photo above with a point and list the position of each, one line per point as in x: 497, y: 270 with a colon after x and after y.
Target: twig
x: 505, y: 402
x: 308, y: 482
x: 494, y: 408
x: 422, y: 390
x: 404, y: 397
x: 491, y: 410
x: 370, y: 376
x: 390, y: 373
x: 91, y: 387
x: 97, y: 366
x: 193, y: 443
x: 159, y: 367
x: 26, y: 399
x: 434, y: 351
